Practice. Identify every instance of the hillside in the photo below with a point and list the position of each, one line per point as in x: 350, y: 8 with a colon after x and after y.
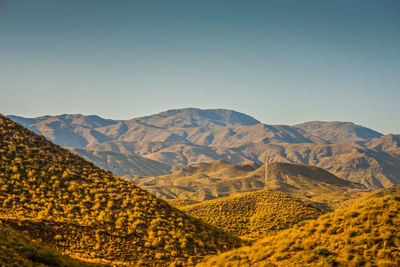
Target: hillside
x: 20, y: 250
x: 121, y: 164
x: 173, y: 153
x: 205, y: 181
x: 338, y: 132
x: 89, y: 213
x: 253, y: 215
x: 389, y: 143
x: 364, y: 196
x: 371, y: 167
x: 308, y: 182
x: 191, y: 136
x: 365, y: 234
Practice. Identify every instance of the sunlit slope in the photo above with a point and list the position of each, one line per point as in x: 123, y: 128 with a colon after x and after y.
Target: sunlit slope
x: 364, y: 196
x: 365, y: 234
x: 205, y: 181
x: 89, y: 213
x: 181, y: 202
x: 308, y: 181
x: 19, y: 250
x: 254, y: 214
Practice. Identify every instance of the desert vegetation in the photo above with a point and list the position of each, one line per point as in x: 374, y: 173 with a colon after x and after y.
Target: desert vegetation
x: 19, y: 250
x: 255, y: 214
x: 178, y: 202
x: 365, y: 234
x: 89, y: 213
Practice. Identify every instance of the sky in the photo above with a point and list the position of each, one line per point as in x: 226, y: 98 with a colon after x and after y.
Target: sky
x: 282, y: 62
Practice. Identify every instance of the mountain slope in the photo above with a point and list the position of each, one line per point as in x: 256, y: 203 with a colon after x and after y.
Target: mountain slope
x: 252, y: 215
x: 205, y: 181
x: 121, y: 164
x: 20, y: 250
x: 307, y: 181
x: 364, y: 234
x: 338, y: 132
x: 173, y: 153
x: 370, y: 167
x: 388, y: 143
x: 89, y: 213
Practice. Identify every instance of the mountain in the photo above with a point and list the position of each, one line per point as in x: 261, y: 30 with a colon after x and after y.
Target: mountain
x: 307, y: 181
x: 190, y: 136
x: 20, y: 250
x: 338, y: 132
x: 207, y: 181
x: 255, y: 214
x: 363, y: 234
x: 371, y: 167
x: 121, y: 164
x: 389, y: 143
x: 90, y: 214
x: 70, y: 130
x: 173, y: 153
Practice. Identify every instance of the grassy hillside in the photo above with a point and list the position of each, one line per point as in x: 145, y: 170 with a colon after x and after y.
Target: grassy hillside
x: 365, y: 234
x: 179, y: 202
x: 364, y: 196
x: 19, y: 250
x: 252, y: 215
x: 89, y: 213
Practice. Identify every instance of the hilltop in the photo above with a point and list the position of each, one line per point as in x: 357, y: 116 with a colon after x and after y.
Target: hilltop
x: 308, y: 182
x: 363, y: 234
x: 88, y: 213
x: 255, y: 214
x: 191, y: 136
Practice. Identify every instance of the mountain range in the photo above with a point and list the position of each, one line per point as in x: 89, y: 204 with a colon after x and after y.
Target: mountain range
x: 55, y: 205
x: 166, y: 141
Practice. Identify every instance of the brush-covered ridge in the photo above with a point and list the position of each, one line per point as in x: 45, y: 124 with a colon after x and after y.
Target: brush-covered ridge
x: 366, y: 234
x: 89, y: 213
x: 19, y: 250
x: 254, y: 214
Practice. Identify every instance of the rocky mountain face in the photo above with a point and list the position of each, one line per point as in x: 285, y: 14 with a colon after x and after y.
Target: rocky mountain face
x: 191, y: 136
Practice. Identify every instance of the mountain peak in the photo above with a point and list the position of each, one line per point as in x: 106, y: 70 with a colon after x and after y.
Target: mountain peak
x: 222, y: 117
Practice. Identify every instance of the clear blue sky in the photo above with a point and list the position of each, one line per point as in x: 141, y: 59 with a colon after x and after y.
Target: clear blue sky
x: 283, y: 62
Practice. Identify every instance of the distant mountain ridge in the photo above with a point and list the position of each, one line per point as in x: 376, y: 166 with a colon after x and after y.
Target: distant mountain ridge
x: 190, y: 136
x: 210, y: 127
